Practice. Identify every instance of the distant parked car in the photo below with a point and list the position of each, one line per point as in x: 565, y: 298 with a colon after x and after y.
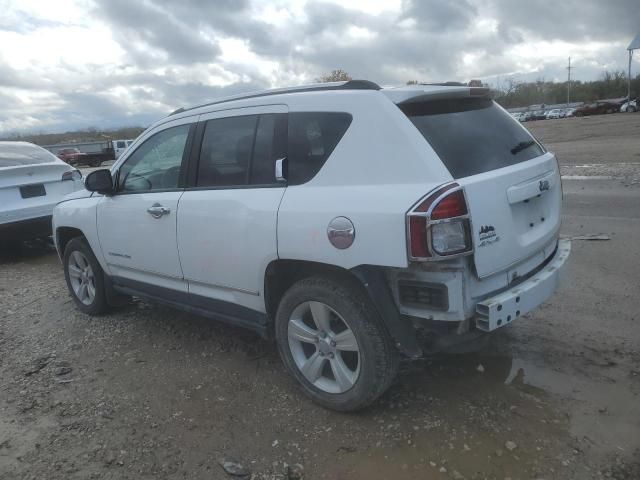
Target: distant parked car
x: 569, y: 112
x: 526, y: 116
x: 32, y: 182
x: 631, y: 106
x: 555, y: 113
x: 71, y: 155
x: 538, y: 115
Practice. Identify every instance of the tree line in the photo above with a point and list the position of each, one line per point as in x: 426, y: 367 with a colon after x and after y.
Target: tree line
x: 513, y: 93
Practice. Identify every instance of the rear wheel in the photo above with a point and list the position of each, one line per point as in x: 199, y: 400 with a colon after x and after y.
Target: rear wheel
x: 85, y: 277
x: 332, y: 341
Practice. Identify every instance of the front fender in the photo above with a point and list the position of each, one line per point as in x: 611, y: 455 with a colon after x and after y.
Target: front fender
x: 79, y: 213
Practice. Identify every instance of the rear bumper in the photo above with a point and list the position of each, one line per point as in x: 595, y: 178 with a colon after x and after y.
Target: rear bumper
x: 26, y: 229
x: 504, y: 308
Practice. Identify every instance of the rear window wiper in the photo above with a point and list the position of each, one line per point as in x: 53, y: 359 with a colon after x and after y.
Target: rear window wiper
x: 522, y: 146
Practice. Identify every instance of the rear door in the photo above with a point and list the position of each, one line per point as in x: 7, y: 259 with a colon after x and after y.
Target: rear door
x: 227, y: 218
x: 511, y: 183
x: 137, y: 225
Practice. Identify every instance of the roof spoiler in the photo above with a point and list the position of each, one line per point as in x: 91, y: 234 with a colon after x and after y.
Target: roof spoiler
x: 461, y: 91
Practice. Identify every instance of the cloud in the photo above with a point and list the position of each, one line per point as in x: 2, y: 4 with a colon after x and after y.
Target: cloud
x: 118, y: 62
x: 149, y: 33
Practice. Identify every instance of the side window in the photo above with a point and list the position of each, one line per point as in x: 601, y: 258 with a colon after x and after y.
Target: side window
x: 312, y: 138
x: 120, y: 144
x: 155, y: 165
x: 270, y: 145
x: 226, y: 151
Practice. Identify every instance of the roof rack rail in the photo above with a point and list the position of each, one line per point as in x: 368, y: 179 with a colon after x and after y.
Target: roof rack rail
x: 316, y: 87
x: 446, y: 84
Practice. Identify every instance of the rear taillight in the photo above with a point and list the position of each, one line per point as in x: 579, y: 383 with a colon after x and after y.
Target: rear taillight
x: 72, y: 175
x: 438, y: 226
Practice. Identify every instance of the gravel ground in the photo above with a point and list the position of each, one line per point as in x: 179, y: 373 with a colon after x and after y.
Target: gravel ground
x: 601, y: 145
x: 149, y: 392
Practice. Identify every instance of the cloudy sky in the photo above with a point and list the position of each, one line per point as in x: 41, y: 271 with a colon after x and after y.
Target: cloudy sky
x: 69, y: 64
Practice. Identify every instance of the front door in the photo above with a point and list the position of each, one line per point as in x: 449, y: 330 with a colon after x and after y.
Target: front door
x: 227, y: 219
x: 137, y: 225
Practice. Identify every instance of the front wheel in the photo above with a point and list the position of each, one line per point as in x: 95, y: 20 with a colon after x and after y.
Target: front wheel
x: 85, y: 277
x: 332, y: 341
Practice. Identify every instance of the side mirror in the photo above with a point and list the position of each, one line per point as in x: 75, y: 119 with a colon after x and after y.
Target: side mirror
x: 99, y: 181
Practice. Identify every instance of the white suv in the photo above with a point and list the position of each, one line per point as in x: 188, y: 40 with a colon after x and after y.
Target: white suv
x: 355, y: 225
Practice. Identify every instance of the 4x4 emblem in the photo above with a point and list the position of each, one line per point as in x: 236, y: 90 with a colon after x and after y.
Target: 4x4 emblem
x: 543, y: 185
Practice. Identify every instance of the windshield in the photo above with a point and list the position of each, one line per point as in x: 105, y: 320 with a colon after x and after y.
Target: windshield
x: 472, y: 135
x: 14, y: 154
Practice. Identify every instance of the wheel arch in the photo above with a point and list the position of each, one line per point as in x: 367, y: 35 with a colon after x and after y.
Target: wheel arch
x: 281, y: 274
x: 63, y: 235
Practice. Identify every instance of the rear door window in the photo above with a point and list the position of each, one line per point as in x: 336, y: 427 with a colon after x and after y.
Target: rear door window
x: 472, y: 135
x: 312, y: 138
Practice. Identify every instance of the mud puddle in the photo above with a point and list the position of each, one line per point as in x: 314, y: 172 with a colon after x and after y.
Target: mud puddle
x: 488, y: 416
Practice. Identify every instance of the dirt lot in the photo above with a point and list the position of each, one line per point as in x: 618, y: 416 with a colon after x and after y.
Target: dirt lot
x: 602, y: 145
x: 148, y: 392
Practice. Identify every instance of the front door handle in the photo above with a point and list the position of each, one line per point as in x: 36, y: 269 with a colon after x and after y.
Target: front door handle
x: 157, y: 210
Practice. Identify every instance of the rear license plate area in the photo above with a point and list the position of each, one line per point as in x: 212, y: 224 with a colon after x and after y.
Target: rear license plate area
x: 35, y: 190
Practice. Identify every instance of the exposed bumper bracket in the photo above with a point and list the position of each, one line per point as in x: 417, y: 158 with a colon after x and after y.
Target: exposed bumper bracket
x: 498, y: 311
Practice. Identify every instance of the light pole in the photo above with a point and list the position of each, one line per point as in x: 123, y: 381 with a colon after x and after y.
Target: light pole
x: 634, y: 45
x: 569, y: 83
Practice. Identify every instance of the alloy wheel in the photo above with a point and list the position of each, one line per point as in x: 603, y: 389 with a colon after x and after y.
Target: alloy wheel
x: 81, y: 278
x: 323, y: 347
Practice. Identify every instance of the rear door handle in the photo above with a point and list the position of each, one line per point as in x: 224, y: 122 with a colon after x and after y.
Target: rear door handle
x: 157, y: 210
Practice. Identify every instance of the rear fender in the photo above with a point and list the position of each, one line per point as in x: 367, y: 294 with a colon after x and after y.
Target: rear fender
x: 399, y: 328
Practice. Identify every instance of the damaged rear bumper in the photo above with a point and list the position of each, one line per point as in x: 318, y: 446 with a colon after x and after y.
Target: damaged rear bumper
x: 504, y: 308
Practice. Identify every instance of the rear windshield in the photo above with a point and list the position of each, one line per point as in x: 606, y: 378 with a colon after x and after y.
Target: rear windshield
x: 19, y: 154
x: 472, y: 135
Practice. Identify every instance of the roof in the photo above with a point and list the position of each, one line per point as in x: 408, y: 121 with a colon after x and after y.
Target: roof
x: 314, y: 87
x: 398, y: 95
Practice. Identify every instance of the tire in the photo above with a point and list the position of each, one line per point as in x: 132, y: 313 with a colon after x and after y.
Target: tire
x: 78, y: 256
x: 338, y: 303
x: 631, y: 109
x: 95, y: 163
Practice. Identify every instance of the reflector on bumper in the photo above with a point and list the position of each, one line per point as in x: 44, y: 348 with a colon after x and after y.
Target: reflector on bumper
x: 497, y: 311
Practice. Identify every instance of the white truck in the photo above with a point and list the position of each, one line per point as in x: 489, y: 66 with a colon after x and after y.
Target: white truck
x: 119, y: 146
x: 355, y: 225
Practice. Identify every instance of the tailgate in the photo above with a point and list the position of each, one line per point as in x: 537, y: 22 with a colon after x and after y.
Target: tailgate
x: 515, y: 212
x: 512, y: 186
